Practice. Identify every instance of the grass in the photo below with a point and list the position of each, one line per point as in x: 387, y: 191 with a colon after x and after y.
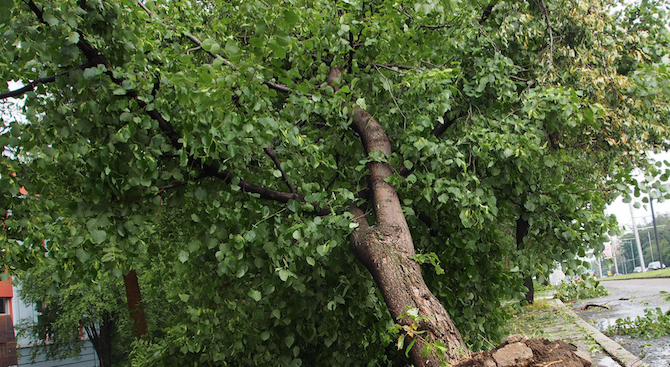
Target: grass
x: 532, y: 319
x: 650, y: 274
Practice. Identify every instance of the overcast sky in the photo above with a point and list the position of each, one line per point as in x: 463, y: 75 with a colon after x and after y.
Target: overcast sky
x: 643, y: 214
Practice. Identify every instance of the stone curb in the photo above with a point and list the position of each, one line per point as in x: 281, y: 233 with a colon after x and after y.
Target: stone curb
x: 615, y: 280
x: 616, y: 351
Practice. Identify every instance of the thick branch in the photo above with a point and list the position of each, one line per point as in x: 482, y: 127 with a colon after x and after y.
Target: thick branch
x: 32, y: 85
x: 27, y: 88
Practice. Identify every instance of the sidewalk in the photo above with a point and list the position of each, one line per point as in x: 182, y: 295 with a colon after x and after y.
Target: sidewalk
x: 550, y: 319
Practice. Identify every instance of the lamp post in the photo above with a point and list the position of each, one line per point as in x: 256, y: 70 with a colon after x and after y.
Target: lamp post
x: 653, y: 219
x: 637, y: 238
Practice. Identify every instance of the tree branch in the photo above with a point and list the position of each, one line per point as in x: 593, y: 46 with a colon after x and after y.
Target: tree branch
x: 94, y: 57
x: 32, y: 85
x: 543, y: 7
x: 437, y: 132
x: 195, y: 40
x: 271, y: 153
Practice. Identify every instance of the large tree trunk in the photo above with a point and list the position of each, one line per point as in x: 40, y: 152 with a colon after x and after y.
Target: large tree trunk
x: 386, y: 250
x: 135, y: 303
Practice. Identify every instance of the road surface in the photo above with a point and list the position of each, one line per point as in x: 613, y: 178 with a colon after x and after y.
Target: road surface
x: 630, y: 298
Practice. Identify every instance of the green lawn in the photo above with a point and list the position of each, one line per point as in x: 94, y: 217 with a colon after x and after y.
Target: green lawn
x: 650, y: 274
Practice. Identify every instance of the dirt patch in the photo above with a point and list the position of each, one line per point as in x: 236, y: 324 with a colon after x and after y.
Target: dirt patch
x: 519, y: 351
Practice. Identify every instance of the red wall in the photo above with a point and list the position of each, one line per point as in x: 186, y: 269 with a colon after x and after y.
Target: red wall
x: 6, y: 289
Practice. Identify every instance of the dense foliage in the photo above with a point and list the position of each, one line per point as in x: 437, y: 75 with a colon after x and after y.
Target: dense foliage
x: 215, y: 147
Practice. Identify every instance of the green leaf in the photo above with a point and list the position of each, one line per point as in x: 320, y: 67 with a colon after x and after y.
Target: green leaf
x: 289, y: 341
x: 98, y: 236
x: 50, y: 19
x: 255, y: 295
x: 215, y: 48
x: 232, y: 51
x: 73, y: 38
x: 183, y: 256
x: 290, y: 18
x: 200, y: 194
x: 207, y: 44
x: 184, y: 297
x: 218, y: 61
x: 361, y: 102
x: 265, y: 335
x: 83, y: 255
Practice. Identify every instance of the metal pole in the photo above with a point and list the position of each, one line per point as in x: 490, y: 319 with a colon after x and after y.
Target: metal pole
x: 637, y: 238
x: 600, y: 267
x: 651, y: 251
x: 653, y: 219
x: 616, y: 267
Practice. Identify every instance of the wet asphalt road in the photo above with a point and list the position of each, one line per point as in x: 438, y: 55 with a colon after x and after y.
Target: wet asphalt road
x: 630, y: 298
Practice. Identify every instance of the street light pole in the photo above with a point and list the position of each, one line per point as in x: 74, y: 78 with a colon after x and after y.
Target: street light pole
x: 651, y: 250
x: 653, y: 219
x: 637, y: 238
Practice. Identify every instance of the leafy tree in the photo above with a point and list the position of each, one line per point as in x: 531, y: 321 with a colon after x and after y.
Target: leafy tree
x: 224, y: 138
x: 69, y: 311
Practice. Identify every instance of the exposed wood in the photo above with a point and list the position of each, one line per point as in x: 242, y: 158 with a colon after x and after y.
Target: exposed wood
x: 135, y: 306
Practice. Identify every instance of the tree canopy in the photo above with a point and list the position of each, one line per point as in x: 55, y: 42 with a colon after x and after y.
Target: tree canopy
x: 294, y: 177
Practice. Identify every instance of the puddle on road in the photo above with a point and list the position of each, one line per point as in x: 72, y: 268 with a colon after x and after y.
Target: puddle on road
x: 604, y: 324
x: 654, y: 352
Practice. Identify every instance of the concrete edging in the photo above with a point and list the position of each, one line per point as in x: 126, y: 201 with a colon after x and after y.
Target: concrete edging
x: 616, y: 351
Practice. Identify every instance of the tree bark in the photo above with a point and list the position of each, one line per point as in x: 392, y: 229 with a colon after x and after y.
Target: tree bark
x: 522, y: 228
x: 386, y: 250
x: 135, y: 304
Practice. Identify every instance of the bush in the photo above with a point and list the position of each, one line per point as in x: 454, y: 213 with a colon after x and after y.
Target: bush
x: 580, y: 288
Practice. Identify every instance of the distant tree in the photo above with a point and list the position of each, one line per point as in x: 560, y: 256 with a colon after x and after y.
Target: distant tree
x: 69, y: 313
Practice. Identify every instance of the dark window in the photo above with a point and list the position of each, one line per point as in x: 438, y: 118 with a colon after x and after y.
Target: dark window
x: 4, y: 309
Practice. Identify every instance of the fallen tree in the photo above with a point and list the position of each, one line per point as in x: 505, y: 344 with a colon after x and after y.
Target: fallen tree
x: 267, y: 151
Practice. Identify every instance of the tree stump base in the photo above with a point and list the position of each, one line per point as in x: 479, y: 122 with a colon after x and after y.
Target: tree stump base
x: 519, y: 351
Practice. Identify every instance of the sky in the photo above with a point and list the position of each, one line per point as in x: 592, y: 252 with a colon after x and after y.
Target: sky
x: 642, y: 216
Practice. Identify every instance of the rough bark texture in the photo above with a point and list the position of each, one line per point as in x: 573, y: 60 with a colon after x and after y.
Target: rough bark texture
x: 386, y: 250
x: 135, y: 304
